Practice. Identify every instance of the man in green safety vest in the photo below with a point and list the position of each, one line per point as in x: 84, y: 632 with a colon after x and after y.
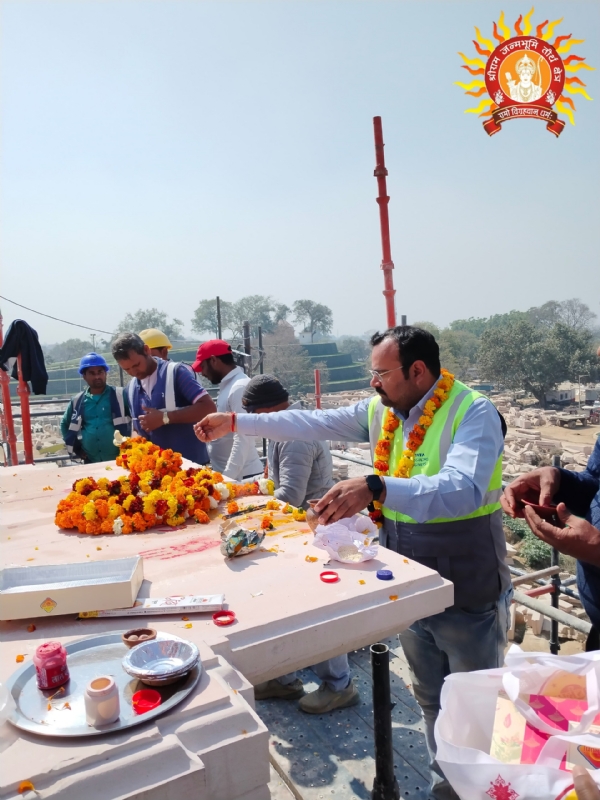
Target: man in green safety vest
x: 437, y: 454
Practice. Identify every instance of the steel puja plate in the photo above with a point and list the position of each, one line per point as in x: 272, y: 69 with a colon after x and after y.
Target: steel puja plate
x: 87, y: 659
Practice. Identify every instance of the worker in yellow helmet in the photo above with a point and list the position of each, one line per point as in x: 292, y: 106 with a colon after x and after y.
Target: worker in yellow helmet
x: 157, y: 341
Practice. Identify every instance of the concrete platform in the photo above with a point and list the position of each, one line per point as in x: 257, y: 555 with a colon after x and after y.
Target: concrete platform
x: 213, y: 745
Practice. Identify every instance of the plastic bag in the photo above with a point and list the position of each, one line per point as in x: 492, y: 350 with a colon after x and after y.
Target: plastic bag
x: 349, y: 540
x: 464, y: 730
x: 237, y: 541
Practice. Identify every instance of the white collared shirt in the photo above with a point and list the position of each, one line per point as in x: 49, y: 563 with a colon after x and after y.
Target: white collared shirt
x: 234, y: 455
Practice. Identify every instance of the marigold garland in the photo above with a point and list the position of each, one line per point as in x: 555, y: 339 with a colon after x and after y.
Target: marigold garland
x: 391, y: 423
x: 155, y: 492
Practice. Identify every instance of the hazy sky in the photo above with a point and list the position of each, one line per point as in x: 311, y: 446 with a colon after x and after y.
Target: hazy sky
x: 159, y: 153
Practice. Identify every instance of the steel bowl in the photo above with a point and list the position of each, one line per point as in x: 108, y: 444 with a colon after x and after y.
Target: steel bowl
x: 161, y: 661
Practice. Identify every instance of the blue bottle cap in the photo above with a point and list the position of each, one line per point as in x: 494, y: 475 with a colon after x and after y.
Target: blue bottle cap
x: 385, y: 574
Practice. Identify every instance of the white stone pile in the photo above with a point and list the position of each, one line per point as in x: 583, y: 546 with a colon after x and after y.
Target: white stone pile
x: 339, y: 399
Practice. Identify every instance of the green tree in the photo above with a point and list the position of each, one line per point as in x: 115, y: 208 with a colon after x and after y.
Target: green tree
x: 434, y: 330
x: 474, y: 325
x: 67, y: 351
x: 316, y: 317
x: 523, y: 356
x: 286, y: 359
x: 459, y: 351
x: 257, y: 309
x: 575, y: 314
x: 205, y: 317
x: 518, y: 356
x: 151, y: 318
x: 358, y: 348
x: 281, y: 312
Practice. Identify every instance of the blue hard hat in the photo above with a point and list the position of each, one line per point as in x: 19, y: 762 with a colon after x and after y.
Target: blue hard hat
x: 92, y: 360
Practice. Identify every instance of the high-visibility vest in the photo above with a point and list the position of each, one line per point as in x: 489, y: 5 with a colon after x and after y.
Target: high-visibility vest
x: 120, y: 419
x: 431, y: 455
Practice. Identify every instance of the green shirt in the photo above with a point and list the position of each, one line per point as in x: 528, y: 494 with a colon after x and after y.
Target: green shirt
x: 97, y: 429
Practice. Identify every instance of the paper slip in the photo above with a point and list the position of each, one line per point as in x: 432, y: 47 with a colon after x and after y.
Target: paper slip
x: 190, y: 603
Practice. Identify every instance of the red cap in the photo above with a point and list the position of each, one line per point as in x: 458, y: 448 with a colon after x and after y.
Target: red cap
x: 214, y: 347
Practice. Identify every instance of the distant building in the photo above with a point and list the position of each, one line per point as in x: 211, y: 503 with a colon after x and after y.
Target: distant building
x: 564, y: 394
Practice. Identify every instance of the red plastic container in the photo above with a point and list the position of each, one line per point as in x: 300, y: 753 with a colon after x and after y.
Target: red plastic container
x: 50, y: 661
x: 145, y: 700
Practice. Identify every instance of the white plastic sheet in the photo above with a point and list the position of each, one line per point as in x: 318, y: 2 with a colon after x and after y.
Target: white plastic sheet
x: 348, y: 540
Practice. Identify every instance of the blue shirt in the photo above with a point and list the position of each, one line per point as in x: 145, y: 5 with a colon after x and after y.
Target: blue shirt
x: 179, y: 437
x: 580, y: 491
x: 458, y: 488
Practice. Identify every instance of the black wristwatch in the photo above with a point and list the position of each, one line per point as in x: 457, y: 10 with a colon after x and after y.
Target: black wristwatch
x: 375, y: 485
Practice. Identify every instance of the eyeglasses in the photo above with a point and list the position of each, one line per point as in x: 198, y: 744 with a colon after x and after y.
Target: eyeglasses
x: 380, y: 375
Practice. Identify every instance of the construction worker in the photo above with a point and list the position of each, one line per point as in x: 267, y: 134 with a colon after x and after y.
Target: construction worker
x: 300, y: 471
x: 234, y: 455
x: 88, y: 425
x: 437, y: 454
x: 164, y: 398
x: 157, y: 341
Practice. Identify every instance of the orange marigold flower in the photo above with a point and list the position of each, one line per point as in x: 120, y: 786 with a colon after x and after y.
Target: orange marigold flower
x: 201, y: 516
x: 383, y: 447
x: 232, y: 507
x: 381, y: 466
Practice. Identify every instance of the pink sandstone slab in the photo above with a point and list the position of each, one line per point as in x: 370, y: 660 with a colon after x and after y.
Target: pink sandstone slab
x: 286, y: 619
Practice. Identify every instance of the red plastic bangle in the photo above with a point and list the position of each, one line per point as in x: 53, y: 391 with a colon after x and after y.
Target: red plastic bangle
x: 329, y: 576
x: 233, y: 415
x: 223, y: 618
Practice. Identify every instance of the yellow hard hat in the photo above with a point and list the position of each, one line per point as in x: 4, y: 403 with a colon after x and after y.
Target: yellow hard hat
x: 155, y: 338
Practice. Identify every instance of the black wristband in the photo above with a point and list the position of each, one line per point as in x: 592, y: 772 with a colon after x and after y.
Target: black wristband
x: 375, y: 486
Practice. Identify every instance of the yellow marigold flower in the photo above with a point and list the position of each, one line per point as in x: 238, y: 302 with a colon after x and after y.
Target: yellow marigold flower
x: 128, y: 501
x: 89, y: 512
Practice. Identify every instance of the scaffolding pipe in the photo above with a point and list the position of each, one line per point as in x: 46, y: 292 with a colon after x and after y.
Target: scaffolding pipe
x: 387, y: 265
x: 552, y: 613
x: 354, y: 460
x: 23, y: 392
x: 7, y: 415
x: 564, y: 586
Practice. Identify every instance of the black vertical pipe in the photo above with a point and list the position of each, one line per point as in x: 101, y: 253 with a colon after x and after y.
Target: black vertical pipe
x: 385, y: 785
x: 219, y: 328
x: 261, y: 369
x: 403, y: 319
x: 121, y: 382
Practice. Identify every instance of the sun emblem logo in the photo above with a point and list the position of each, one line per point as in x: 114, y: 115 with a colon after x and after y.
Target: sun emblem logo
x: 525, y: 76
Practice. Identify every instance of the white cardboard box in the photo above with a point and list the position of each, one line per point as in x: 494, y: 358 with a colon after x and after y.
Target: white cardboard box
x: 56, y: 589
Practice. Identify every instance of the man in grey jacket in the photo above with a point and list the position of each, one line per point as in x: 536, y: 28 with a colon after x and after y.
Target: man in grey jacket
x: 301, y: 471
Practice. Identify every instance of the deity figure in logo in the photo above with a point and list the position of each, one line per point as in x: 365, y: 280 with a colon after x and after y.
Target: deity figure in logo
x: 525, y: 90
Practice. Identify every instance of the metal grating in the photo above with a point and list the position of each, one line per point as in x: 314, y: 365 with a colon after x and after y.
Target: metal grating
x: 332, y: 755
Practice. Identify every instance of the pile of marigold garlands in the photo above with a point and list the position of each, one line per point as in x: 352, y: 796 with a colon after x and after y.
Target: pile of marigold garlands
x: 156, y: 492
